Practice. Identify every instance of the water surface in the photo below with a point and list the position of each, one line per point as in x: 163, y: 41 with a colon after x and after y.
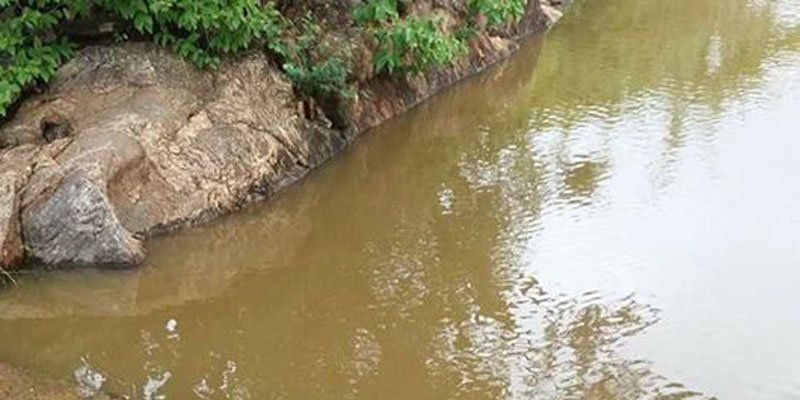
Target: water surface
x: 612, y: 214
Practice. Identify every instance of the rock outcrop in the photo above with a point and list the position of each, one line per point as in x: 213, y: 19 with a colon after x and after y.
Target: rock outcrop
x: 130, y: 141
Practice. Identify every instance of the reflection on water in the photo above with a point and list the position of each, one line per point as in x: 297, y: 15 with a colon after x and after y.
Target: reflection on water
x: 610, y: 215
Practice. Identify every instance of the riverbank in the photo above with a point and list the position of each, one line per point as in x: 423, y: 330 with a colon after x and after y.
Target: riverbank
x: 130, y: 141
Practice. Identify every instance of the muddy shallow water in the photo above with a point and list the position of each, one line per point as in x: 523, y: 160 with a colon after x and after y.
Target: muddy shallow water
x: 612, y: 214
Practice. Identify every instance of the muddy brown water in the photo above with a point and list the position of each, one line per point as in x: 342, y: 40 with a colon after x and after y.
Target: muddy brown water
x: 612, y: 214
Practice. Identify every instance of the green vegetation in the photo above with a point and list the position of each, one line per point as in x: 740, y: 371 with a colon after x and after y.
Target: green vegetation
x: 409, y: 45
x: 33, y: 43
x: 497, y: 12
x: 34, y: 39
x: 316, y: 69
x: 28, y: 51
x: 201, y: 30
x: 414, y: 45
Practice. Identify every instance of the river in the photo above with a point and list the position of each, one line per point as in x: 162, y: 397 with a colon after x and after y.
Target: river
x: 611, y: 214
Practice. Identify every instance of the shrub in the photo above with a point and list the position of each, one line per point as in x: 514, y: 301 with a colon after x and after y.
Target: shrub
x: 411, y: 44
x: 29, y: 50
x: 373, y: 11
x: 32, y: 43
x: 201, y: 30
x: 498, y: 12
x: 315, y: 69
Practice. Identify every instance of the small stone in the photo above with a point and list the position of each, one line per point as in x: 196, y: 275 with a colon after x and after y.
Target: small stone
x: 552, y: 14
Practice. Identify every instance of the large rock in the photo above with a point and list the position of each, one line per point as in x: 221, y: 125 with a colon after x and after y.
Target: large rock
x: 77, y: 225
x: 131, y: 140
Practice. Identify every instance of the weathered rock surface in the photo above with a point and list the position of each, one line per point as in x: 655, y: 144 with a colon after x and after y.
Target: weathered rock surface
x: 77, y: 225
x: 131, y: 140
x: 10, y: 240
x: 14, y: 173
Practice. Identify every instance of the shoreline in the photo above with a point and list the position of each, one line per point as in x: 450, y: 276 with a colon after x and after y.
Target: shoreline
x: 137, y: 143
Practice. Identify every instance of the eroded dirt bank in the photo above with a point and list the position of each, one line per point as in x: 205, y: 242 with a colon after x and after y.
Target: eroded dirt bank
x: 130, y: 141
